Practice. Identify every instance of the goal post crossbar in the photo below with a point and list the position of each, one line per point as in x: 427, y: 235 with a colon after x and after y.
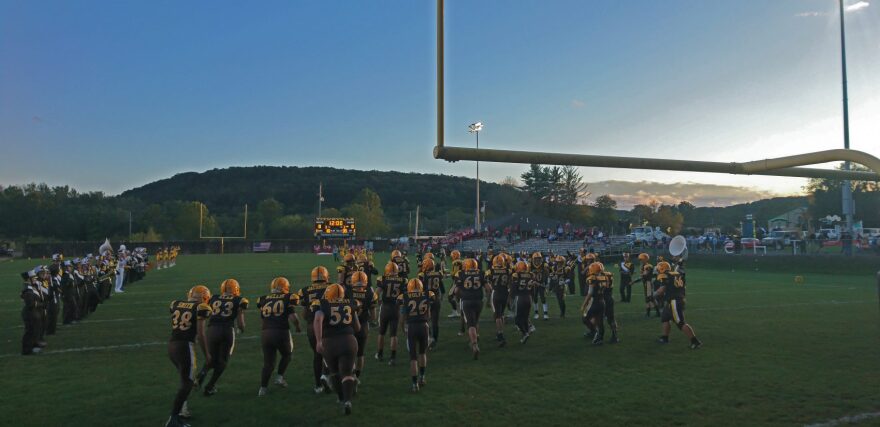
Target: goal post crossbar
x: 781, y: 166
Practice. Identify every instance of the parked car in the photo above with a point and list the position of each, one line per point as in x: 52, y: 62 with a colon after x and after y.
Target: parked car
x: 749, y: 242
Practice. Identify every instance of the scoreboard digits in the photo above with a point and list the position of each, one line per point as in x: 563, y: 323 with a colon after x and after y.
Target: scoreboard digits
x: 335, y: 228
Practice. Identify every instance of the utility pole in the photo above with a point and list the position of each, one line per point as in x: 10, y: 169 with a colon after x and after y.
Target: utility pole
x: 129, y: 226
x: 846, y: 190
x: 320, y: 197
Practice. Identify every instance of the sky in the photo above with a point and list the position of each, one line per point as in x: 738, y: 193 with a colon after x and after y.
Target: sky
x: 111, y: 95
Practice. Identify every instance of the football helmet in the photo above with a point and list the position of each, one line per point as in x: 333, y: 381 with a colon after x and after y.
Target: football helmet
x: 428, y: 265
x: 596, y: 268
x: 643, y: 257
x: 663, y: 267
x: 280, y: 285
x: 395, y: 254
x: 391, y: 269
x: 414, y: 285
x: 230, y: 287
x: 469, y: 264
x: 455, y: 255
x: 359, y: 278
x: 200, y: 293
x: 334, y: 292
x: 521, y: 267
x: 429, y: 255
x: 498, y: 261
x: 349, y: 258
x: 320, y: 274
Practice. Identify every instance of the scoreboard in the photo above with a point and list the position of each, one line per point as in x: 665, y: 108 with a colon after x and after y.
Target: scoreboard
x: 335, y: 228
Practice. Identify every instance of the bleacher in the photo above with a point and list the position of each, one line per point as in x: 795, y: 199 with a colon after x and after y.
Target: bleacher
x: 616, y: 246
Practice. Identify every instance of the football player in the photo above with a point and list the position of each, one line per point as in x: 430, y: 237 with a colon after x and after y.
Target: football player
x: 188, y: 319
x: 402, y: 263
x: 672, y: 291
x: 366, y: 265
x: 626, y: 270
x: 593, y: 308
x: 470, y: 288
x: 558, y: 271
x: 432, y: 278
x: 277, y: 310
x: 415, y: 306
x: 362, y: 292
x: 539, y: 272
x: 344, y: 271
x: 647, y: 278
x: 390, y: 285
x: 335, y: 323
x: 455, y: 256
x: 522, y: 283
x: 319, y: 278
x: 227, y: 313
x: 499, y: 277
x: 608, y: 295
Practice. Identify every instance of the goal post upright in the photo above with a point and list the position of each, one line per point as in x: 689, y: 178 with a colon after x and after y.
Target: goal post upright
x: 781, y: 166
x: 221, y: 238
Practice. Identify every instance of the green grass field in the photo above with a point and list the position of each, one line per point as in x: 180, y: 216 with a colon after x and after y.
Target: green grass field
x: 775, y: 353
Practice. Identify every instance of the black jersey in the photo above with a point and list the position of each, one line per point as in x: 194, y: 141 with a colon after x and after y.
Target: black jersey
x: 416, y: 305
x: 598, y: 285
x: 390, y: 288
x: 607, y: 284
x: 276, y: 308
x: 471, y: 284
x: 674, y: 284
x: 539, y: 273
x: 499, y: 278
x: 366, y: 298
x: 521, y: 284
x: 184, y: 319
x: 310, y: 293
x: 338, y: 315
x: 402, y: 266
x: 433, y: 281
x: 225, y: 309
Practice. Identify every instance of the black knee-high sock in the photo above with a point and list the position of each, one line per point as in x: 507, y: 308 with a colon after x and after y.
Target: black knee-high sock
x: 282, y: 364
x: 347, y: 390
x: 337, y: 384
x: 218, y: 370
x: 317, y: 366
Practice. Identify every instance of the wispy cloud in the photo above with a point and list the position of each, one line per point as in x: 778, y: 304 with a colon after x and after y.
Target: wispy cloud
x: 577, y: 103
x: 628, y: 194
x: 857, y: 6
x: 37, y: 119
x: 809, y: 14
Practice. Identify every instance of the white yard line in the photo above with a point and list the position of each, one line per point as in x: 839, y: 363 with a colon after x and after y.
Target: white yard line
x: 850, y: 419
x: 110, y: 347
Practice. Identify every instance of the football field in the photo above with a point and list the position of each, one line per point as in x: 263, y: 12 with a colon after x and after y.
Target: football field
x: 774, y: 353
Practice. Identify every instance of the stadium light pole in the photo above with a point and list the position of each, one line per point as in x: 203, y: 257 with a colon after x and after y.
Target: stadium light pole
x: 846, y: 189
x: 475, y: 128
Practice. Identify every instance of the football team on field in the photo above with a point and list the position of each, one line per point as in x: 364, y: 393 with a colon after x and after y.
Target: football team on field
x: 338, y: 316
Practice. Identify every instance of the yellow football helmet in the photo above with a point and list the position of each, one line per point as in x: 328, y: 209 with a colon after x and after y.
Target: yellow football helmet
x: 560, y: 258
x: 414, y: 285
x: 391, y: 269
x: 663, y: 267
x: 498, y: 261
x: 469, y: 264
x: 348, y: 258
x: 320, y: 274
x: 521, y: 267
x: 428, y: 265
x: 596, y: 268
x: 230, y: 287
x: 429, y: 255
x: 199, y: 293
x: 280, y: 285
x: 395, y: 254
x: 455, y: 255
x: 334, y: 292
x: 643, y: 257
x: 359, y: 278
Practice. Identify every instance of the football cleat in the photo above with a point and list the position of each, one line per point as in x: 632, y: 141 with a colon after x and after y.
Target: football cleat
x: 453, y: 314
x: 279, y: 381
x: 524, y: 338
x: 319, y: 389
x: 200, y: 379
x: 210, y: 391
x: 663, y: 340
x: 184, y: 411
x: 532, y: 328
x: 415, y: 388
x: 536, y: 316
x: 36, y: 350
x: 346, y: 407
x: 476, y: 350
x: 378, y: 357
x: 597, y: 340
x: 614, y: 340
x: 262, y: 392
x: 325, y: 381
x: 546, y: 317
x: 696, y: 344
x: 422, y: 381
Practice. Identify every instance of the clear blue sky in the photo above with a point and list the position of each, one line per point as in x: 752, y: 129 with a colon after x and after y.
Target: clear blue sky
x: 108, y: 95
